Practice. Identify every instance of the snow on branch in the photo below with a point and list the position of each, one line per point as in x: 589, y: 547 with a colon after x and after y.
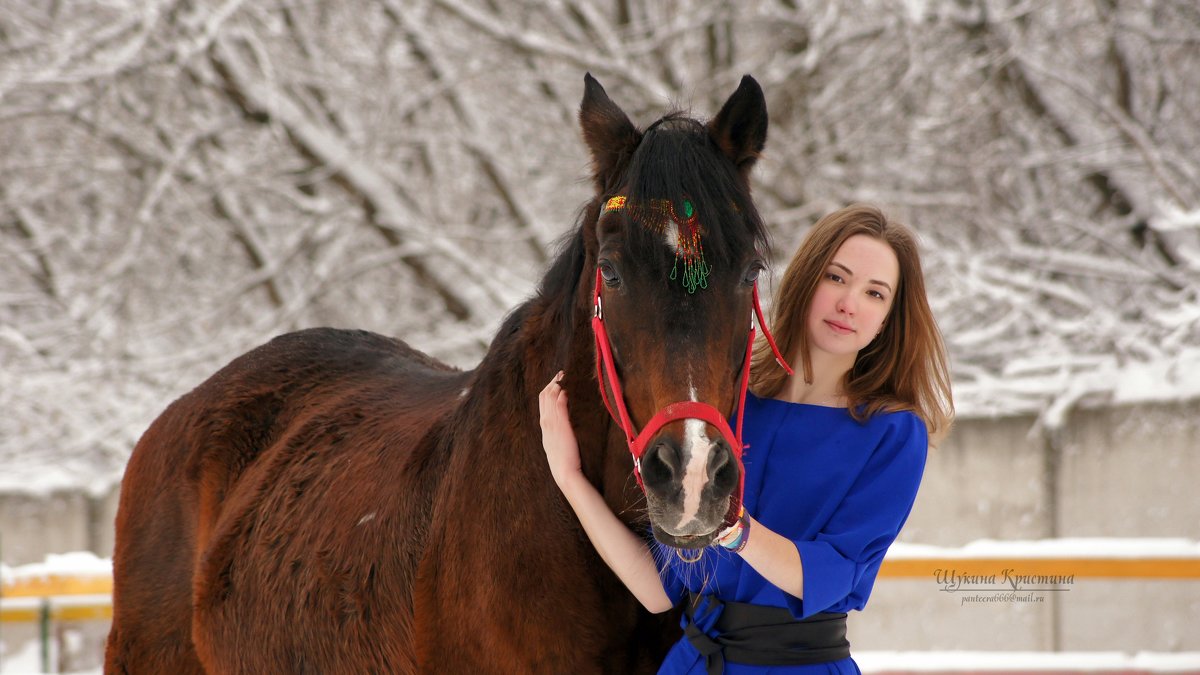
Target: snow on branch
x: 388, y: 211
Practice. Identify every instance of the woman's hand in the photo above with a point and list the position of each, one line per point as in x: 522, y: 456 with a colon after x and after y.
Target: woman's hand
x: 558, y: 438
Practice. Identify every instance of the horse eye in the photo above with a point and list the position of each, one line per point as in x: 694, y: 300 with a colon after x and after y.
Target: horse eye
x: 611, y: 278
x: 753, y: 272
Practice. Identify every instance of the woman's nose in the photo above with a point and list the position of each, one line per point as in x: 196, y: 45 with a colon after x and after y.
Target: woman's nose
x: 845, y: 304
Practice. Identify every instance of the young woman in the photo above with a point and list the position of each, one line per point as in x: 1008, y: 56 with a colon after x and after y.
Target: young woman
x: 836, y: 453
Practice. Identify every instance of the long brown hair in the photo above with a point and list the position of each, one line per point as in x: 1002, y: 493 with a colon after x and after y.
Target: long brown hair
x: 905, y: 368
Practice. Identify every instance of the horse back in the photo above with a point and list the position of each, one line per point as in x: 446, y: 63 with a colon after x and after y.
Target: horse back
x: 231, y: 527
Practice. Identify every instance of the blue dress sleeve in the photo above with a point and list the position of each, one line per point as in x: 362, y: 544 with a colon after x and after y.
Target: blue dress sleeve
x: 843, y: 558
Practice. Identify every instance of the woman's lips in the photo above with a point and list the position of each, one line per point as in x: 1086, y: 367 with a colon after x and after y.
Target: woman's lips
x: 839, y: 328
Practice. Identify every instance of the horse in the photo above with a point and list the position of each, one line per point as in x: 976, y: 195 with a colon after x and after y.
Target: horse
x: 335, y: 501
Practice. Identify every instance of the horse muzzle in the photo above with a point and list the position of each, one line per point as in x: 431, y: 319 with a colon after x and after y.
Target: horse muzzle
x: 690, y: 486
x: 693, y: 485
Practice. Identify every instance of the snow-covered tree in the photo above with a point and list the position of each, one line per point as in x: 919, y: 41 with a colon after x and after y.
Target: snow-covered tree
x: 182, y: 180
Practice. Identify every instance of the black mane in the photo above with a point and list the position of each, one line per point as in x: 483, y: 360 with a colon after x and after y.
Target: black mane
x: 561, y: 281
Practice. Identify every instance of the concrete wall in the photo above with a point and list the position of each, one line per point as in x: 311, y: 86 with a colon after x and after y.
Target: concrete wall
x: 987, y: 480
x: 32, y: 526
x: 1129, y: 471
x: 1126, y: 471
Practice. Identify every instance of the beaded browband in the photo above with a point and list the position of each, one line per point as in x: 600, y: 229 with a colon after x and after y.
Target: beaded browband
x: 687, y: 231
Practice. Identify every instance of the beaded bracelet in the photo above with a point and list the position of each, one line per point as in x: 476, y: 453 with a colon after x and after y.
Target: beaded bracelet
x: 743, y: 534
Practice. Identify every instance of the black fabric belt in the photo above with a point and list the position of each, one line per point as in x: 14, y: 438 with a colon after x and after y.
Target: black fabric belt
x: 763, y: 636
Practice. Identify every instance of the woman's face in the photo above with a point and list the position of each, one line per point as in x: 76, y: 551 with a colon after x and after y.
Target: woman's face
x: 853, y: 297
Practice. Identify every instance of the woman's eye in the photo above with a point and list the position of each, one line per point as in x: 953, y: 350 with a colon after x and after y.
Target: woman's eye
x: 609, y: 274
x: 876, y: 294
x: 834, y: 277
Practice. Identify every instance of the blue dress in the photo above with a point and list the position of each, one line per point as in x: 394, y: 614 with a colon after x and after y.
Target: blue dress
x: 839, y: 488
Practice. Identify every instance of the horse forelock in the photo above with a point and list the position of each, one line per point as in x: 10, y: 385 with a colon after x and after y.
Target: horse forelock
x: 678, y: 160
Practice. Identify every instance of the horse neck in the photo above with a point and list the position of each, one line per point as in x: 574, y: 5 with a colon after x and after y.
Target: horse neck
x: 535, y: 342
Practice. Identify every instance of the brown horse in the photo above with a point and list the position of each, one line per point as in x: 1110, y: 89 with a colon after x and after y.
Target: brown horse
x: 337, y: 502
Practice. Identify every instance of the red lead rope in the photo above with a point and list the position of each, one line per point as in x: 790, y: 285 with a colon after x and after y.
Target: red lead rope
x: 606, y: 371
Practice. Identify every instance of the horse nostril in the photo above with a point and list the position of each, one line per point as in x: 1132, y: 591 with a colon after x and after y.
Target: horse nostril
x: 719, y: 458
x: 723, y: 468
x: 661, y: 463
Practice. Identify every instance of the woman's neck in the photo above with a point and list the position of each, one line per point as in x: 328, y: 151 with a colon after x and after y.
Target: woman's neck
x: 826, y: 388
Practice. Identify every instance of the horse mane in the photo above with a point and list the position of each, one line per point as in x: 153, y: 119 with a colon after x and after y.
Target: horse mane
x: 560, y: 284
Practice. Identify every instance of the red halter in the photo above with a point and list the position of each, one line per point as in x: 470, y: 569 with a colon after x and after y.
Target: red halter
x: 606, y: 371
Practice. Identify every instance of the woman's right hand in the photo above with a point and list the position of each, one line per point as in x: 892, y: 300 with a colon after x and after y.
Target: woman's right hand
x: 558, y: 438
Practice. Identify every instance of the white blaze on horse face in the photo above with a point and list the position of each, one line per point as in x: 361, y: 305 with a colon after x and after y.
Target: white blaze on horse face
x: 696, y: 449
x: 671, y: 234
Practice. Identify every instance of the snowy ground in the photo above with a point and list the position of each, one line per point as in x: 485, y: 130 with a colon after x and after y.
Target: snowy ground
x: 26, y: 661
x: 1015, y: 662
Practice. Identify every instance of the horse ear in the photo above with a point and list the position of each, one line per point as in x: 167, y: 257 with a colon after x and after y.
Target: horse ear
x: 609, y: 134
x: 740, y: 129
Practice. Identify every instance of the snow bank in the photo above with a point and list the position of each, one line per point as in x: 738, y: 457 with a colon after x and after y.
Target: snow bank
x: 1010, y: 662
x: 78, y: 564
x: 1082, y: 547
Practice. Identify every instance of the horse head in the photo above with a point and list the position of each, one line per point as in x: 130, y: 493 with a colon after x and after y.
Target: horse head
x: 673, y: 246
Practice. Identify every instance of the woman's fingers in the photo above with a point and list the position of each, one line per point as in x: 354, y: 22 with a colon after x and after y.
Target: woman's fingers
x: 553, y: 386
x: 552, y: 404
x: 552, y: 393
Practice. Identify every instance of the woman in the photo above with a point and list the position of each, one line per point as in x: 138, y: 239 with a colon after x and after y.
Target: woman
x: 835, y: 455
